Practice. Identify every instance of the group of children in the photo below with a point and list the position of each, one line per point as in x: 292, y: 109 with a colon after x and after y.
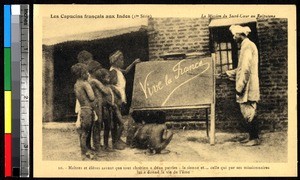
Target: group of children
x: 100, y: 94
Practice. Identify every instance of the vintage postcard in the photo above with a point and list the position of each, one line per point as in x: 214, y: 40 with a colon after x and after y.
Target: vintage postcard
x: 164, y: 91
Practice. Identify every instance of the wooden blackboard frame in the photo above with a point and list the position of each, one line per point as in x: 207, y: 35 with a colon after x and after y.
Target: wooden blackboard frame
x: 210, y: 106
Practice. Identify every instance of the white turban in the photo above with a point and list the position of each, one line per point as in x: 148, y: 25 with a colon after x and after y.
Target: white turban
x: 239, y: 29
x: 115, y: 56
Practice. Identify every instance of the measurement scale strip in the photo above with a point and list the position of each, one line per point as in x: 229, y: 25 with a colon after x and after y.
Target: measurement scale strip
x: 24, y: 92
x: 16, y: 94
x: 15, y: 75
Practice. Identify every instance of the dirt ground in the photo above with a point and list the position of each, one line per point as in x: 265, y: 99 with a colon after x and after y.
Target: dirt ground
x: 61, y: 143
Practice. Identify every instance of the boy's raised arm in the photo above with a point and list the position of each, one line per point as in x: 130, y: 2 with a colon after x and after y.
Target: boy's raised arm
x: 131, y: 66
x: 100, y: 86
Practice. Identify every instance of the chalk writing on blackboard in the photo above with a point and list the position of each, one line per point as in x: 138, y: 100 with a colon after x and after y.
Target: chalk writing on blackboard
x: 179, y: 71
x: 173, y: 83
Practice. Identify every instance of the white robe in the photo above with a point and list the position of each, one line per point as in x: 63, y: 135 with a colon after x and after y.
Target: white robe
x: 121, y: 83
x: 246, y: 73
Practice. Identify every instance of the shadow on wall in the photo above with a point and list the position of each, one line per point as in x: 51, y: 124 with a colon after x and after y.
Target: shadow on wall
x: 133, y: 45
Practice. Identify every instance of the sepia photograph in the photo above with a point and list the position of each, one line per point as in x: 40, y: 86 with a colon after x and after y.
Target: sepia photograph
x: 164, y: 91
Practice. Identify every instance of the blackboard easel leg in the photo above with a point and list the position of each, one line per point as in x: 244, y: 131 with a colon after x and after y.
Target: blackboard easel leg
x: 212, y: 105
x: 206, y: 120
x: 212, y: 125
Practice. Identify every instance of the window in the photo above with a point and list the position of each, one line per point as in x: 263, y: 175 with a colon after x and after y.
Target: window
x: 225, y: 48
x: 223, y: 56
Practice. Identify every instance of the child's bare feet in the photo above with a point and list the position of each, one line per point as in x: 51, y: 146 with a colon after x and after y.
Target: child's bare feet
x: 108, y: 149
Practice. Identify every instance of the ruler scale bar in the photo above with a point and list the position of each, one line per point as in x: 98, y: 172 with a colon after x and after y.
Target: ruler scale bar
x: 15, y: 69
x: 24, y: 92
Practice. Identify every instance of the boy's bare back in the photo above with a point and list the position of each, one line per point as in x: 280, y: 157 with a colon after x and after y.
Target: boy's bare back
x: 84, y: 93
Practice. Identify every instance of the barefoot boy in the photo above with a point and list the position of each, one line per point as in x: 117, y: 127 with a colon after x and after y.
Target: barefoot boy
x: 119, y: 82
x: 111, y: 103
x: 85, y: 95
x: 100, y: 91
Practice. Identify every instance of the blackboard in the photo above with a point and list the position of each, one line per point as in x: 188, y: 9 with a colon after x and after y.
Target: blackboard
x: 173, y: 84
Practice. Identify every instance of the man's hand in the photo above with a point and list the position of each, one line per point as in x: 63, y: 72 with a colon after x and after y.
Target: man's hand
x: 223, y: 75
x: 239, y: 93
